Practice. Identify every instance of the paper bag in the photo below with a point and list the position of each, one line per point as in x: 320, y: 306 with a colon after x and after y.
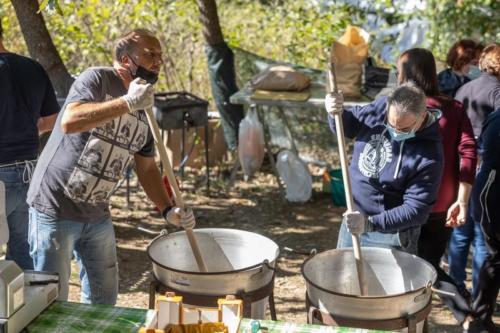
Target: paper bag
x: 348, y: 55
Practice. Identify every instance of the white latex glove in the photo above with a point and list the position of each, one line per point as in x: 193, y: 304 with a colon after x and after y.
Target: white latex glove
x: 140, y: 95
x: 181, y: 217
x: 334, y: 103
x: 356, y: 223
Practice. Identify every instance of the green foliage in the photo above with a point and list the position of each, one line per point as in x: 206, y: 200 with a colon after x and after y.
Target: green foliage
x: 452, y: 20
x: 85, y: 32
x: 291, y: 31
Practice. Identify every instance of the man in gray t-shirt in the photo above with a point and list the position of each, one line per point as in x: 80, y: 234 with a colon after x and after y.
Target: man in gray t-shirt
x: 101, y: 128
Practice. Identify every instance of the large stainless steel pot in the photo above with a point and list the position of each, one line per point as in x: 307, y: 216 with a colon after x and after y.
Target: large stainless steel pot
x: 252, y: 256
x: 399, y: 284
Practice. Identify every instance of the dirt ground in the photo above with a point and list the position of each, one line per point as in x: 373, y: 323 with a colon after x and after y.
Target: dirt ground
x: 254, y: 206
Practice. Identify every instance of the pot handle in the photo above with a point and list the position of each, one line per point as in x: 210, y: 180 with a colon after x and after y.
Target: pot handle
x: 311, y: 253
x: 158, y: 234
x: 442, y: 292
x: 424, y: 293
x: 439, y: 291
x: 264, y: 266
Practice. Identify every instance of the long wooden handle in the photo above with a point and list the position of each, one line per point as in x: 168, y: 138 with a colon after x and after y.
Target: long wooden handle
x: 169, y: 172
x: 347, y: 182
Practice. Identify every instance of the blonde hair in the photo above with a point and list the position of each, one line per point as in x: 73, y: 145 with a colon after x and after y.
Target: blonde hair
x: 489, y: 61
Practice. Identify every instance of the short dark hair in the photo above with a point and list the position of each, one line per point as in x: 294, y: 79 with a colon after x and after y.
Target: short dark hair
x: 407, y: 98
x: 418, y: 66
x: 127, y: 42
x: 462, y: 53
x: 1, y: 29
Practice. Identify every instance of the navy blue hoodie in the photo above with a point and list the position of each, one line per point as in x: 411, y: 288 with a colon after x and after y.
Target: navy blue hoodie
x: 395, y: 183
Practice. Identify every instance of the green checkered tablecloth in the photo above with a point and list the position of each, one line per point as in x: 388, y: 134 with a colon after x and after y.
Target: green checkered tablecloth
x: 68, y: 317
x: 284, y: 327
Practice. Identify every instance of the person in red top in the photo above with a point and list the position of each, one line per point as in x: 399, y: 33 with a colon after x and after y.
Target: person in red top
x: 460, y: 158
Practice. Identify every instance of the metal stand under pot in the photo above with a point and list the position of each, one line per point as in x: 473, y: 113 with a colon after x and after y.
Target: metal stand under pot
x: 410, y: 323
x: 398, y: 286
x: 252, y: 301
x: 252, y: 256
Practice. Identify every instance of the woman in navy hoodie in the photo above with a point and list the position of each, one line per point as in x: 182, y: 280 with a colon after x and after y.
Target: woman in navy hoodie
x: 396, y: 165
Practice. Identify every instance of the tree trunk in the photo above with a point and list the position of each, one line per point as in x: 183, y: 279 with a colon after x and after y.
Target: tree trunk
x: 40, y: 45
x: 210, y: 21
x: 221, y: 71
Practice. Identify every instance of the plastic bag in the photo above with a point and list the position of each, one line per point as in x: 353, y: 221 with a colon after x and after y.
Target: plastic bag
x: 251, y: 144
x: 295, y: 175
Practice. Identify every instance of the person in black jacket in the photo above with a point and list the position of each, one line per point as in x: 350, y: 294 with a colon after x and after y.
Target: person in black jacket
x: 479, y: 97
x: 486, y: 211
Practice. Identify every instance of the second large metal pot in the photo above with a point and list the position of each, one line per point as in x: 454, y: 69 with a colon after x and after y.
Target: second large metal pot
x: 398, y: 283
x: 252, y: 256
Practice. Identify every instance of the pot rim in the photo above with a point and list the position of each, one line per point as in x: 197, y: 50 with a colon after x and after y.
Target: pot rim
x: 249, y: 268
x: 362, y: 296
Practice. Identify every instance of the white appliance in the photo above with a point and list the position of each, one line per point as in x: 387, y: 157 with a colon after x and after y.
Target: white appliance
x: 23, y: 294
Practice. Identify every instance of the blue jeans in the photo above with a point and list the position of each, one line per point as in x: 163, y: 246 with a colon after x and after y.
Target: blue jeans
x: 461, y: 239
x: 406, y: 241
x: 16, y: 187
x: 53, y: 242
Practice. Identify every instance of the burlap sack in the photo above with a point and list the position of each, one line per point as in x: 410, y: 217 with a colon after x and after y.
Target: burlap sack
x: 280, y: 78
x: 348, y: 55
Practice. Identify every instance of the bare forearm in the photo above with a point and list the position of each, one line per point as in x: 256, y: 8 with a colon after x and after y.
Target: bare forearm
x: 46, y: 124
x: 464, y: 190
x: 151, y: 181
x: 80, y: 117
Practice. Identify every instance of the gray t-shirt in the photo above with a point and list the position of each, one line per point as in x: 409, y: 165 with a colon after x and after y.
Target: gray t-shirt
x: 76, y: 173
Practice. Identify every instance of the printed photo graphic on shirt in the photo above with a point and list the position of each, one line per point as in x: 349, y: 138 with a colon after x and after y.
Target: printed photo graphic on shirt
x: 101, y: 191
x: 126, y: 130
x: 80, y: 185
x: 117, y: 162
x: 375, y: 156
x: 140, y: 137
x: 107, y: 130
x: 94, y: 155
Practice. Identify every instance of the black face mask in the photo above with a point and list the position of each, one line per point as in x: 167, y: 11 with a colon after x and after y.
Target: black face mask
x: 143, y: 73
